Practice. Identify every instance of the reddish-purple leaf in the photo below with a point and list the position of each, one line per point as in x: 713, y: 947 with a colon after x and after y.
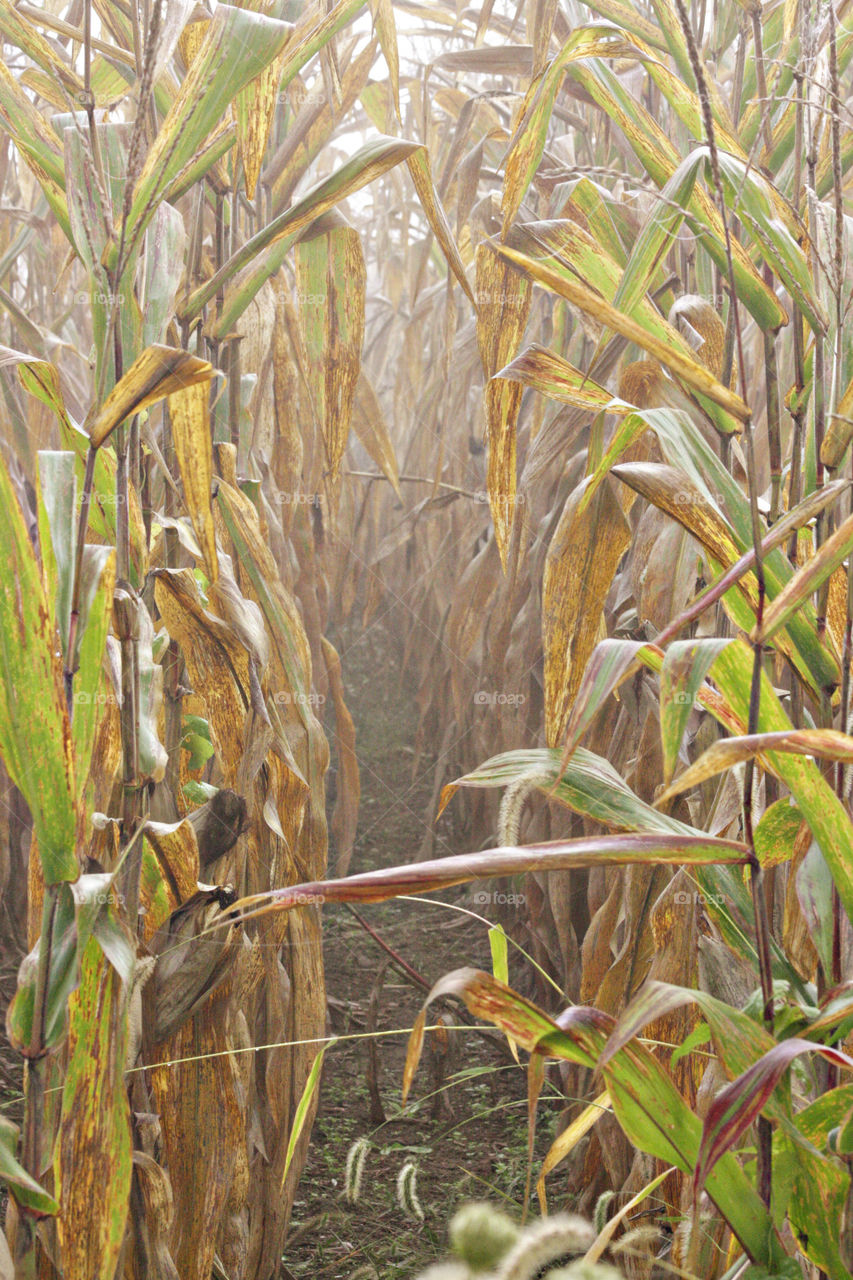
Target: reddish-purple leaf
x: 612, y: 662
x: 735, y: 1107
x: 442, y: 873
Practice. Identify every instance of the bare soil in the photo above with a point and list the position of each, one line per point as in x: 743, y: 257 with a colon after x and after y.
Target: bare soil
x: 469, y: 1140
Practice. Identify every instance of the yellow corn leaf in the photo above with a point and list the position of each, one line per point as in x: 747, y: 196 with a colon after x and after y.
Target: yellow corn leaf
x: 368, y: 423
x: 153, y: 376
x: 568, y: 1140
x: 591, y: 303
x: 93, y: 1153
x: 549, y: 373
x: 217, y: 662
x: 190, y: 417
x: 419, y: 168
x: 386, y: 29
x: 585, y: 551
x: 332, y: 282
x: 823, y: 744
x: 503, y: 305
x: 840, y: 431
x: 255, y: 108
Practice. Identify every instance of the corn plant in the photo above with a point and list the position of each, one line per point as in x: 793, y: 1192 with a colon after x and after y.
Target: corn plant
x: 692, y: 505
x: 621, y: 391
x: 163, y: 666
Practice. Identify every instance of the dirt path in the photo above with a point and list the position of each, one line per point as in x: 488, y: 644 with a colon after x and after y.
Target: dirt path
x: 470, y: 1142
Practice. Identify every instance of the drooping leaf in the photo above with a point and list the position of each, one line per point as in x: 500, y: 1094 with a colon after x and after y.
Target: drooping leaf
x: 332, y: 281
x: 424, y: 877
x: 566, y: 1141
x: 254, y: 110
x: 549, y: 373
x: 824, y: 744
x: 582, y: 558
x: 582, y: 297
x: 611, y: 662
x: 737, y: 1105
x: 685, y: 666
x: 503, y: 305
x: 22, y: 1187
x: 153, y: 376
x: 371, y: 429
x: 94, y: 1144
x: 190, y: 421
x: 419, y: 167
x: 303, y: 1109
x: 35, y: 730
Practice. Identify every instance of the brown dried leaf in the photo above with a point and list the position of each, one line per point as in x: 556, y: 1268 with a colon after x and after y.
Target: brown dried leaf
x: 190, y: 418
x: 503, y: 305
x: 582, y: 558
x: 332, y: 283
x: 93, y: 1150
x: 217, y: 662
x: 345, y: 816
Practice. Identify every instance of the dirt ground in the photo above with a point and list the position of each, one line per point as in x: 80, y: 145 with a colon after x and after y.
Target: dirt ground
x: 470, y: 1140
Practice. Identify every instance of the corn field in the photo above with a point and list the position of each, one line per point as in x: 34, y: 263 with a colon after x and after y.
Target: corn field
x: 532, y: 323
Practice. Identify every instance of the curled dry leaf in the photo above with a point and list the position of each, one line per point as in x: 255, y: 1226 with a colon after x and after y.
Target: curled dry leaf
x: 582, y: 558
x: 503, y: 305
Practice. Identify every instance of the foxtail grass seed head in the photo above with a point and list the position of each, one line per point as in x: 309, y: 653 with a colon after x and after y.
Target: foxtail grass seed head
x: 481, y: 1235
x: 407, y: 1191
x: 637, y: 1241
x: 512, y: 803
x: 356, y: 1157
x: 543, y: 1242
x: 599, y: 1217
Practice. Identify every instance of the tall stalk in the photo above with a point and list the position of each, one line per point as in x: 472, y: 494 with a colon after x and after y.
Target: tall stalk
x: 759, y: 899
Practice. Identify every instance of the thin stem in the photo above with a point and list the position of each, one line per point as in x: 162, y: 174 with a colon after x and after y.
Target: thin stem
x: 762, y: 926
x: 774, y: 416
